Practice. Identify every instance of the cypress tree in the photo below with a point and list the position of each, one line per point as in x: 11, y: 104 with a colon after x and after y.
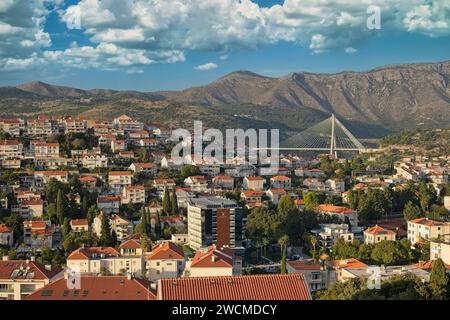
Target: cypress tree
x: 174, y: 202
x: 144, y: 222
x: 105, y: 237
x: 166, y: 202
x: 157, y: 226
x: 61, y: 207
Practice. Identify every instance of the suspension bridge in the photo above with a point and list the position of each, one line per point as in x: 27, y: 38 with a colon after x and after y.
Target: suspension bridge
x: 330, y: 135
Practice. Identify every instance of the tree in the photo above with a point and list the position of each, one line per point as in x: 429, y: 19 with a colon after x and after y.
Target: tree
x: 313, y: 199
x: 437, y: 212
x: 174, y: 202
x: 145, y: 244
x: 144, y: 226
x: 61, y: 207
x: 389, y: 253
x: 106, y: 239
x: 427, y: 196
x: 438, y: 280
x: 158, y: 229
x: 411, y: 211
x: 66, y: 228
x: 167, y: 207
x: 189, y: 170
x: 92, y: 211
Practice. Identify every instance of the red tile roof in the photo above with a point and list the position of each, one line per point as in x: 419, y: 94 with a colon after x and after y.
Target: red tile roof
x: 335, y: 209
x: 427, y: 222
x: 130, y: 244
x: 377, y: 230
x: 97, y: 288
x: 257, y: 287
x: 428, y: 265
x: 34, y: 270
x: 282, y: 178
x: 165, y: 251
x: 304, y: 265
x: 350, y: 263
x: 4, y: 229
x: 120, y: 173
x: 213, y: 258
x: 79, y: 222
x: 86, y: 253
x: 9, y: 142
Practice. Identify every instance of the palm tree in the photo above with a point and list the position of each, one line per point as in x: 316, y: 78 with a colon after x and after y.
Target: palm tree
x: 283, y: 242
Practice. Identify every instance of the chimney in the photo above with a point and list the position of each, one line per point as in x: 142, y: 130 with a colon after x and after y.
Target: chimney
x: 48, y: 267
x: 5, y: 258
x: 129, y: 276
x: 213, y: 258
x: 32, y: 258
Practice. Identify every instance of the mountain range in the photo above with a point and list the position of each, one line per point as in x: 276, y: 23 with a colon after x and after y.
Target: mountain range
x: 371, y: 103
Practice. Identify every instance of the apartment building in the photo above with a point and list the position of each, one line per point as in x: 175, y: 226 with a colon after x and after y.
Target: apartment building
x: 147, y: 167
x: 44, y: 149
x: 280, y: 182
x: 95, y: 260
x: 196, y: 183
x: 6, y: 236
x: 424, y: 228
x: 253, y: 183
x: 122, y: 227
x: 38, y: 233
x: 13, y: 126
x: 330, y: 233
x: 108, y: 204
x: 224, y: 182
x: 214, y: 262
x: 11, y: 149
x: 340, y: 212
x: 117, y: 180
x: 317, y: 275
x: 20, y: 278
x: 133, y: 194
x: 40, y: 127
x: 214, y: 220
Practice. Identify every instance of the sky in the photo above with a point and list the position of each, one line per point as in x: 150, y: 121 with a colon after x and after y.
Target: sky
x: 151, y: 45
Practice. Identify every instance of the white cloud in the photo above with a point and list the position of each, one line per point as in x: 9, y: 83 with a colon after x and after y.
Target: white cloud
x: 206, y: 66
x: 350, y: 50
x: 131, y: 33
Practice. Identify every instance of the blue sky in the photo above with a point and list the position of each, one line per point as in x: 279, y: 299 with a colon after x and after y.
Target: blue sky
x: 151, y: 45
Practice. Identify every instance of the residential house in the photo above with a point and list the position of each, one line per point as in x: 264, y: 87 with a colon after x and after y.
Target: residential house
x: 214, y: 262
x: 20, y: 278
x: 340, y: 212
x: 79, y: 225
x: 196, y: 183
x: 424, y: 228
x: 147, y: 167
x: 223, y: 182
x: 317, y: 275
x: 377, y: 234
x: 280, y: 182
x: 275, y: 194
x: 253, y: 183
x: 166, y: 260
x: 108, y: 204
x: 133, y: 194
x: 6, y: 236
x: 117, y: 180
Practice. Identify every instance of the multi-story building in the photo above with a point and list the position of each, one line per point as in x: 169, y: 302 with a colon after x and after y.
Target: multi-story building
x: 122, y: 227
x: 109, y: 203
x: 11, y: 149
x: 317, y: 275
x: 280, y: 182
x: 330, y: 233
x: 40, y: 127
x: 196, y: 183
x: 117, y: 180
x: 20, y: 278
x: 148, y: 168
x: 118, y: 145
x: 38, y: 233
x: 127, y: 124
x: 440, y: 250
x: 96, y: 260
x: 93, y: 161
x: 224, y: 182
x: 79, y: 225
x: 44, y: 177
x: 214, y: 220
x: 133, y: 194
x: 340, y: 212
x: 44, y: 149
x: 253, y: 183
x: 424, y: 228
x: 166, y: 260
x: 275, y: 194
x: 6, y: 236
x: 214, y: 262
x: 13, y: 126
x: 377, y: 234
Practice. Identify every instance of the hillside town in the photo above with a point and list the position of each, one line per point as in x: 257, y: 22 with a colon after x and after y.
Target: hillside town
x: 103, y: 204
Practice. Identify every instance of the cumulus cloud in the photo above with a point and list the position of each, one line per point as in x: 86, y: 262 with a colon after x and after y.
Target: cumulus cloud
x: 350, y: 50
x: 133, y: 33
x: 206, y: 66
